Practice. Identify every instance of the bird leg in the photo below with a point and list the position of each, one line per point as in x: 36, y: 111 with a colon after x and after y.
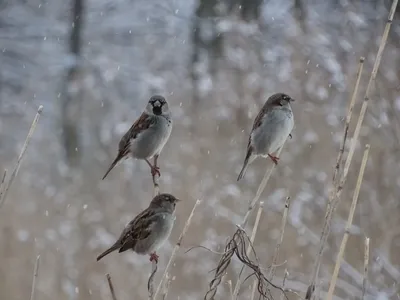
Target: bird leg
x: 154, y: 169
x: 154, y: 256
x: 274, y: 158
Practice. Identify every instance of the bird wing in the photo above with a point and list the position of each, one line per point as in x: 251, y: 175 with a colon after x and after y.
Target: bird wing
x: 141, y: 124
x: 138, y: 229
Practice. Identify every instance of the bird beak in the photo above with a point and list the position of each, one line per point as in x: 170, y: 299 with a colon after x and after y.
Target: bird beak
x: 178, y: 200
x: 292, y: 100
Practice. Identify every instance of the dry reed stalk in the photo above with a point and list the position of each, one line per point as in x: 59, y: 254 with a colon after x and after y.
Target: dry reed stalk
x: 21, y: 155
x: 218, y: 279
x: 167, y: 282
x: 279, y: 243
x: 366, y: 262
x: 284, y: 282
x: 260, y: 189
x: 331, y: 201
x: 176, y: 248
x: 150, y: 282
x: 111, y: 286
x: 2, y: 182
x: 335, y: 195
x: 348, y: 224
x: 34, y: 278
x: 252, y: 238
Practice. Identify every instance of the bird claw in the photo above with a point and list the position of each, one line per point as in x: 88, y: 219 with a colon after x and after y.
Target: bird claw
x: 155, y: 171
x: 274, y: 159
x: 290, y: 135
x: 154, y: 257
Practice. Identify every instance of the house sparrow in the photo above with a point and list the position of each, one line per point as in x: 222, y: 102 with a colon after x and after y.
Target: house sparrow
x: 149, y: 230
x: 147, y: 136
x: 271, y: 128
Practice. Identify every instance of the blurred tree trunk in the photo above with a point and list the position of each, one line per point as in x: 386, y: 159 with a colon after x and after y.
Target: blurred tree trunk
x: 207, y: 45
x: 250, y: 10
x: 73, y: 89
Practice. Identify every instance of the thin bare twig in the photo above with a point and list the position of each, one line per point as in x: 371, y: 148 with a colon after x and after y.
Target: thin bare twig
x: 285, y: 276
x: 2, y: 186
x: 260, y: 189
x: 176, y: 248
x: 111, y: 286
x: 150, y: 282
x: 34, y: 278
x: 279, y: 243
x: 253, y: 235
x: 21, y: 155
x: 167, y: 283
x: 366, y: 262
x: 348, y: 224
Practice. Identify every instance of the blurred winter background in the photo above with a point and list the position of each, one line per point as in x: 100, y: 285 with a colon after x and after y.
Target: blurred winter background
x: 93, y: 65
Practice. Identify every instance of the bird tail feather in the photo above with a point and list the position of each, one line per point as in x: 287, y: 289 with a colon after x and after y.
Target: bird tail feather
x: 114, y: 163
x: 108, y: 251
x: 245, y: 165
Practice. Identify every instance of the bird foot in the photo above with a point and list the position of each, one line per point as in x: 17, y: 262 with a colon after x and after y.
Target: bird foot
x: 290, y: 135
x: 274, y: 158
x: 154, y: 256
x: 155, y: 171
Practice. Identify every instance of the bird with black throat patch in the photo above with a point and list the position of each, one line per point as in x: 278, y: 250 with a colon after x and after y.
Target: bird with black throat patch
x: 272, y: 126
x: 147, y: 136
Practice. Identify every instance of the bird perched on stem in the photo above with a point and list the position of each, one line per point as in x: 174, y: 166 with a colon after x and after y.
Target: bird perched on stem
x: 271, y: 128
x: 147, y: 136
x: 149, y: 230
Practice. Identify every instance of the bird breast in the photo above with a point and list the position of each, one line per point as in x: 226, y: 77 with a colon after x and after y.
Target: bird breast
x: 273, y: 131
x: 151, y: 141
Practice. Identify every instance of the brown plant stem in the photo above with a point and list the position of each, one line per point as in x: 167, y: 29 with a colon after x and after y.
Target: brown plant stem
x: 366, y: 262
x: 252, y: 238
x: 279, y: 243
x: 111, y: 286
x: 176, y: 248
x: 348, y: 224
x: 21, y: 156
x: 34, y: 278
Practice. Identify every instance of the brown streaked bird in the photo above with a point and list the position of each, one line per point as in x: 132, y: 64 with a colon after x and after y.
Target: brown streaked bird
x: 147, y: 136
x: 271, y: 128
x: 149, y: 230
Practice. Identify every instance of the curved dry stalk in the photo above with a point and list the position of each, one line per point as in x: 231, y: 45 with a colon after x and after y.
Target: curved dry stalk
x: 34, y: 278
x: 348, y: 224
x: 285, y: 276
x: 176, y: 248
x: 111, y: 286
x: 150, y: 282
x: 253, y: 236
x: 21, y: 155
x: 225, y: 259
x: 279, y: 243
x: 366, y: 261
x: 260, y: 189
